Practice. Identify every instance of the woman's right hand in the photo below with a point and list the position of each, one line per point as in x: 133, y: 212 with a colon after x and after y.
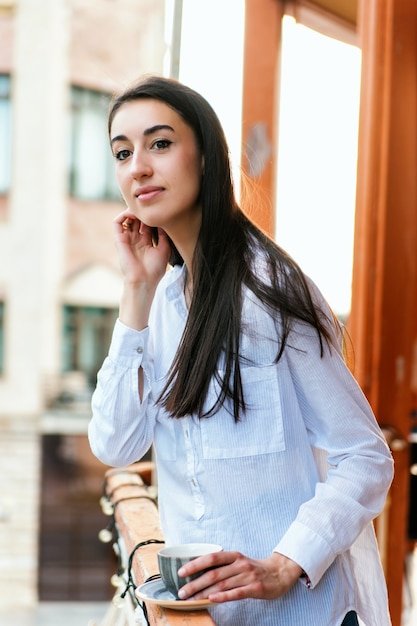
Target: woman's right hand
x: 140, y: 260
x: 143, y: 264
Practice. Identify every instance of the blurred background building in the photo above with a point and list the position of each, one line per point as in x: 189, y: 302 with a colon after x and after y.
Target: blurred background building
x: 60, y: 60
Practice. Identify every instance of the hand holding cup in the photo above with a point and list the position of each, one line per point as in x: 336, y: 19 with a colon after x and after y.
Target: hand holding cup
x: 171, y: 558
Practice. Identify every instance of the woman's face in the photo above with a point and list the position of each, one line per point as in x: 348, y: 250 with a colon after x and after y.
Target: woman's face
x: 158, y: 165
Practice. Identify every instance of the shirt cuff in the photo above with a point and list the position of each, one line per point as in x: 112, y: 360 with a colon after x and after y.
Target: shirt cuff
x: 310, y: 551
x: 128, y: 346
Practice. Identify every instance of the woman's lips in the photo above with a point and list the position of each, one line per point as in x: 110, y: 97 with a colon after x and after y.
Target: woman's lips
x: 148, y: 193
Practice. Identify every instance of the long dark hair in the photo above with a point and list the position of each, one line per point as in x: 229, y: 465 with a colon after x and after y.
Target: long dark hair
x: 223, y: 263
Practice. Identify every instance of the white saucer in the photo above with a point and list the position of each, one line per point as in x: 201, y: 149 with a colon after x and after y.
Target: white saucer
x: 155, y: 592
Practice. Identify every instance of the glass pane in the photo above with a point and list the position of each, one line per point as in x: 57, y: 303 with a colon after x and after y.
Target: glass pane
x: 112, y: 191
x: 86, y: 339
x: 5, y: 134
x: 69, y: 339
x: 1, y: 337
x: 4, y: 86
x: 318, y: 134
x: 91, y: 164
x: 90, y: 156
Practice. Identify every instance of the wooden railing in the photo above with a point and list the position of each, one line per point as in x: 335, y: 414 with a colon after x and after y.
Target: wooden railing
x: 130, y: 501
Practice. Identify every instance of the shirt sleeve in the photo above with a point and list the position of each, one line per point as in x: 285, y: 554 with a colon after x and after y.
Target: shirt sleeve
x: 340, y: 422
x: 121, y: 429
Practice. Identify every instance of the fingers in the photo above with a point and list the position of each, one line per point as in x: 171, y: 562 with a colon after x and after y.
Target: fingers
x: 222, y: 574
x: 126, y: 223
x: 130, y: 230
x: 125, y: 217
x: 220, y: 585
x: 215, y: 559
x: 236, y: 576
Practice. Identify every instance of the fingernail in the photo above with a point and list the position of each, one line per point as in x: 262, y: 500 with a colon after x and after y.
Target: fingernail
x: 181, y: 594
x: 181, y: 572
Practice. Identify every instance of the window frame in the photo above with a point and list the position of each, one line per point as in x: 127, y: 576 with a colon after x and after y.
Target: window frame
x: 84, y: 158
x: 79, y: 326
x: 318, y: 18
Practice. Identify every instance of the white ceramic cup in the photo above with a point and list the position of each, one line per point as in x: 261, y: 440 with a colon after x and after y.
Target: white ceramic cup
x: 171, y: 558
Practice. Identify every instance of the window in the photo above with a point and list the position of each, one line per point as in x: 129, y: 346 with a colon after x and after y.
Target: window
x: 318, y: 137
x: 5, y: 133
x: 86, y: 339
x: 91, y: 162
x: 1, y: 337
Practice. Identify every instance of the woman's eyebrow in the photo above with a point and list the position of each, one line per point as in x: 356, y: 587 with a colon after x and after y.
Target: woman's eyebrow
x: 156, y: 128
x: 118, y: 138
x: 146, y: 132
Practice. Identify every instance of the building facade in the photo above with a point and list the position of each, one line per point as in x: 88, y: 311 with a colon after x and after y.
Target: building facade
x: 60, y: 61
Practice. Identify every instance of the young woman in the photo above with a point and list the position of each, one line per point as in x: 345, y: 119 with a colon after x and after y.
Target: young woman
x: 230, y: 365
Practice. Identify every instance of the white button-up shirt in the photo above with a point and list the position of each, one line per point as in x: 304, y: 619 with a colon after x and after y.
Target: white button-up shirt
x: 303, y: 472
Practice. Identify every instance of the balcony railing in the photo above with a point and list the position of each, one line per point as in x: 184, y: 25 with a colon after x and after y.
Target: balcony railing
x: 130, y: 501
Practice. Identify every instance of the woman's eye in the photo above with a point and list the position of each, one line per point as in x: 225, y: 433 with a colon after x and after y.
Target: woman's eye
x: 161, y: 144
x: 121, y: 155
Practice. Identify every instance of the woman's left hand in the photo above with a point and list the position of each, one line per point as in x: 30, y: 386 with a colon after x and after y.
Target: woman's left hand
x: 236, y: 577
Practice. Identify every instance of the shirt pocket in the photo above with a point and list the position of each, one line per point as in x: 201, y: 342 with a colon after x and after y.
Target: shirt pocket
x: 260, y: 429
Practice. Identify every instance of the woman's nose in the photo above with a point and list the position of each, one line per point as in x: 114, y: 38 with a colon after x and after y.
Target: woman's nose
x: 140, y: 165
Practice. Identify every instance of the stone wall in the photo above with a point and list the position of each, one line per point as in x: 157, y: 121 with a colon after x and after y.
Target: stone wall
x: 19, y: 506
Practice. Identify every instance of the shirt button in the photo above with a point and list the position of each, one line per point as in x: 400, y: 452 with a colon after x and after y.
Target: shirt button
x: 139, y: 350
